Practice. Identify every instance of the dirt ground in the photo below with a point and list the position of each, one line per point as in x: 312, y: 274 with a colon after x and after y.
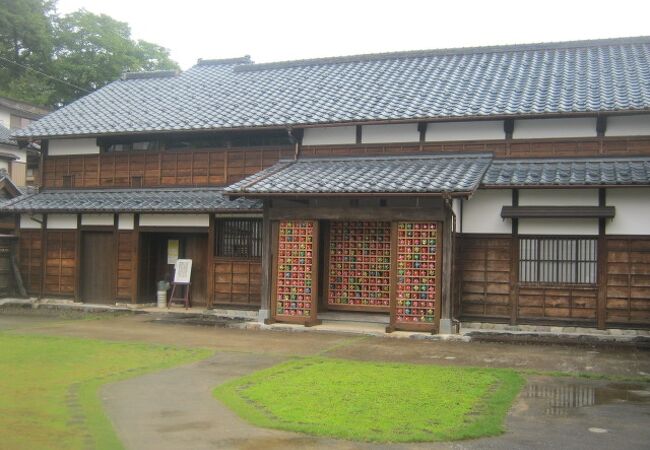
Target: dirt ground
x: 173, y: 409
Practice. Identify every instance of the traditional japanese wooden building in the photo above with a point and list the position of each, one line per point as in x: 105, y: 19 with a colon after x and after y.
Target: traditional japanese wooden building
x: 501, y: 184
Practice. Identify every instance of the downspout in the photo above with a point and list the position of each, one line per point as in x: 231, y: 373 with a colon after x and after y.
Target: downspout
x: 295, y: 141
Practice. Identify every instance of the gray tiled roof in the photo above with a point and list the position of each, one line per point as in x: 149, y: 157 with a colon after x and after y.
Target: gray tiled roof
x: 5, y: 136
x: 537, y: 79
x: 568, y: 172
x: 388, y: 174
x: 130, y: 200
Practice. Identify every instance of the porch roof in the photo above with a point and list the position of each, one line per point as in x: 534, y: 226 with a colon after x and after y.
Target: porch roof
x: 172, y: 200
x: 610, y: 171
x: 396, y: 175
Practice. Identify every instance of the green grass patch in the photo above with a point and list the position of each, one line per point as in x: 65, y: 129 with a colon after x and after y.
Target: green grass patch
x: 49, y: 390
x: 375, y: 402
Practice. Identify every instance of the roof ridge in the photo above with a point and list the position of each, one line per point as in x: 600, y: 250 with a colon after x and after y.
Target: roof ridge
x: 148, y: 74
x: 246, y: 59
x: 572, y: 159
x: 394, y: 157
x: 558, y: 45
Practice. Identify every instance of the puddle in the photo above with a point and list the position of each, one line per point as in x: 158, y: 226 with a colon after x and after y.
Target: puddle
x: 563, y: 399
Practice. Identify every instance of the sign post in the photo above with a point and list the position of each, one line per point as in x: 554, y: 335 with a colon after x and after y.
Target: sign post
x: 182, y: 276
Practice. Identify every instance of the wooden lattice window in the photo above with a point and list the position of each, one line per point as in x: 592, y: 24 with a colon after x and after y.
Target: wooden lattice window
x: 558, y: 260
x: 239, y: 238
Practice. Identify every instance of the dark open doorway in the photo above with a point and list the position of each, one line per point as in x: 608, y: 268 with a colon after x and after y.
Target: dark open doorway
x: 157, y: 251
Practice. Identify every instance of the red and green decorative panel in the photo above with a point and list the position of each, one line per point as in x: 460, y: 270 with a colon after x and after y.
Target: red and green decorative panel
x: 296, y: 286
x: 359, y: 266
x: 417, y: 280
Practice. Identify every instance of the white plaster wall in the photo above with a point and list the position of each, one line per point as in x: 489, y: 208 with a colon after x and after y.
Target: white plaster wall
x: 581, y: 227
x: 125, y: 222
x: 558, y: 197
x: 330, y: 136
x: 378, y: 134
x: 632, y: 211
x: 174, y: 220
x: 97, y: 219
x: 638, y: 125
x: 5, y: 117
x: 4, y: 164
x: 62, y: 221
x: 465, y: 131
x: 455, y: 207
x: 482, y: 212
x: 554, y: 128
x: 20, y: 154
x: 58, y: 147
x: 27, y: 223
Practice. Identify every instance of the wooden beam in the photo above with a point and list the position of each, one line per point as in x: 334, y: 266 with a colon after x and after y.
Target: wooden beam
x: 568, y: 212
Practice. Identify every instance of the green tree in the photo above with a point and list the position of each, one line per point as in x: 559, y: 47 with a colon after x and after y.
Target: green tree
x: 82, y: 50
x: 26, y: 40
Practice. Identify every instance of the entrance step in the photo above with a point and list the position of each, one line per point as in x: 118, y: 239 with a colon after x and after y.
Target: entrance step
x: 354, y: 317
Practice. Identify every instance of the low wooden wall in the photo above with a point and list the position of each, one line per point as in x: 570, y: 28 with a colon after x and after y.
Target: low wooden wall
x: 126, y: 256
x: 628, y: 281
x: 485, y: 276
x: 237, y: 282
x: 30, y: 257
x: 60, y: 262
x: 487, y: 287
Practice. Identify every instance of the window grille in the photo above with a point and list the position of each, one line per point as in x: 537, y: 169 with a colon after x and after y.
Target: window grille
x: 239, y: 238
x: 558, y: 260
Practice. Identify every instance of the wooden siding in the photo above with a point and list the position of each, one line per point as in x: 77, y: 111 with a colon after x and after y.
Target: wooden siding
x: 628, y: 281
x: 60, y: 263
x: 209, y: 167
x: 125, y: 264
x: 237, y: 282
x: 553, y: 302
x: 531, y: 148
x: 485, y: 276
x: 487, y: 288
x: 31, y: 259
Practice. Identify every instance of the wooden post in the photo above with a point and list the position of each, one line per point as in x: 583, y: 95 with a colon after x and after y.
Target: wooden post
x: 514, y: 263
x: 601, y: 265
x: 135, y: 261
x: 211, y: 250
x: 267, y: 264
x: 77, y: 261
x: 116, y: 257
x: 43, y: 255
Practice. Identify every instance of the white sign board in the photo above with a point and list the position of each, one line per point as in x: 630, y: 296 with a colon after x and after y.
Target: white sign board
x: 182, y: 271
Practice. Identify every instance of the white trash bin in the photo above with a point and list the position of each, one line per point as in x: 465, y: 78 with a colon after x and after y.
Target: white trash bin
x: 162, y: 299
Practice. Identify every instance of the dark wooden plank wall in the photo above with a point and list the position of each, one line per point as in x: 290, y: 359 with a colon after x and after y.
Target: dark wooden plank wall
x: 60, y: 262
x: 237, y: 282
x: 167, y: 168
x: 484, y: 276
x: 553, y: 302
x: 30, y: 257
x: 628, y: 281
x: 487, y: 290
x: 532, y: 148
x: 125, y: 263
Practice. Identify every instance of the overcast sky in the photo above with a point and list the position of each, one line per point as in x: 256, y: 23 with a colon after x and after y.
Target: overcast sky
x: 277, y: 30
